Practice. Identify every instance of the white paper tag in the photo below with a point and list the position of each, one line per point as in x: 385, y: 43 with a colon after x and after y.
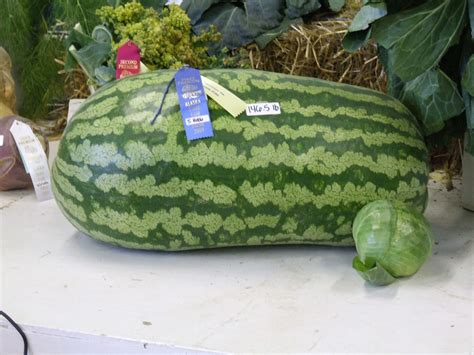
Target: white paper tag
x: 229, y: 101
x: 74, y: 105
x: 263, y: 108
x: 197, y: 120
x: 1, y: 140
x: 34, y: 159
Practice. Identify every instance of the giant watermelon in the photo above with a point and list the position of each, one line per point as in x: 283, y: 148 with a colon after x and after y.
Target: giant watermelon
x: 298, y: 177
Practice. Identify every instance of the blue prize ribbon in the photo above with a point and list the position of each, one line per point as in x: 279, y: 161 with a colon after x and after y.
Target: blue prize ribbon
x: 193, y: 104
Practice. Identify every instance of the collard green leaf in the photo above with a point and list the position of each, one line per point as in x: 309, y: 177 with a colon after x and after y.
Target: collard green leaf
x: 298, y: 8
x: 394, y: 6
x: 424, y: 32
x: 104, y: 74
x: 196, y: 9
x: 353, y: 41
x: 468, y: 77
x: 469, y: 103
x: 470, y: 142
x: 78, y: 39
x: 91, y: 57
x: 241, y: 22
x: 264, y: 39
x: 334, y: 5
x: 264, y: 14
x: 231, y: 22
x: 471, y: 17
x: 394, y: 83
x: 101, y: 34
x: 367, y: 15
x: 433, y: 98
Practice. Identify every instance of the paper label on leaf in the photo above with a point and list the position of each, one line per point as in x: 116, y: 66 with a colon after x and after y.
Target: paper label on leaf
x: 193, y: 104
x: 229, y: 101
x: 74, y: 105
x: 34, y: 159
x: 263, y: 109
x: 128, y: 60
x: 1, y: 140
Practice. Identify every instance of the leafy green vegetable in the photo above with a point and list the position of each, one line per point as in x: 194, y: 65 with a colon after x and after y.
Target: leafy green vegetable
x: 243, y: 21
x: 433, y: 98
x: 102, y: 34
x: 264, y: 39
x: 420, y: 49
x: 391, y: 239
x: 359, y: 32
x: 232, y: 22
x: 298, y: 8
x: 468, y: 95
x: 91, y: 56
x: 424, y: 32
x: 468, y: 77
x: 164, y: 37
x: 471, y: 16
x: 372, y: 272
x: 368, y: 14
x: 104, y: 74
x: 353, y: 41
x: 334, y: 5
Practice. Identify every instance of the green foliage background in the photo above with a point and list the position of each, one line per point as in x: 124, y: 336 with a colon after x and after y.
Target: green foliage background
x: 24, y: 34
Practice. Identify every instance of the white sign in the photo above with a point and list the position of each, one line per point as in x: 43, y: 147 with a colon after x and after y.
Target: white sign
x: 34, y: 159
x: 74, y: 105
x: 197, y: 119
x: 1, y: 140
x: 263, y: 108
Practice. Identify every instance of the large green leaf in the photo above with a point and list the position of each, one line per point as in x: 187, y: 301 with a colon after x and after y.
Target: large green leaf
x: 394, y: 83
x: 298, y: 8
x: 471, y: 17
x: 78, y: 39
x: 264, y: 39
x: 368, y: 14
x: 359, y: 31
x: 334, y: 5
x: 433, y: 98
x: 264, y: 14
x: 195, y: 9
x: 394, y: 6
x: 243, y: 21
x: 353, y: 41
x: 419, y: 37
x: 231, y: 21
x: 91, y: 57
x: 468, y: 76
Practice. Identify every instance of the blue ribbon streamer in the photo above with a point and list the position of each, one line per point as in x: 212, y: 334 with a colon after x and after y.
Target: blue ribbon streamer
x: 158, y: 112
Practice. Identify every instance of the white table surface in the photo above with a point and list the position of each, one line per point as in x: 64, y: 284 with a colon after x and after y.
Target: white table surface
x: 269, y: 299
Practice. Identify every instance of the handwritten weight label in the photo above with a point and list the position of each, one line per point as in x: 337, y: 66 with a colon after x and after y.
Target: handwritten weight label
x: 263, y: 109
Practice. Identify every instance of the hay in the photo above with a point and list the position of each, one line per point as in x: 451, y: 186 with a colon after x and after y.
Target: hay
x: 315, y: 50
x: 75, y: 87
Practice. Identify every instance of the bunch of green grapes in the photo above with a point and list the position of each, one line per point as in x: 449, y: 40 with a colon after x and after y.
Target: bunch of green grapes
x: 165, y: 38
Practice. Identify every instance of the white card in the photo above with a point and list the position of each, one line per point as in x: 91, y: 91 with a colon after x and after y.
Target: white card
x: 263, y: 109
x: 34, y: 159
x: 1, y: 140
x: 74, y: 105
